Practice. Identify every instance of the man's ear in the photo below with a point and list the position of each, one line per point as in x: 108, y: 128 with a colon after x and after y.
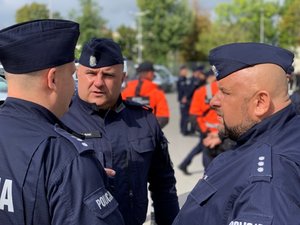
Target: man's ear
x: 263, y: 103
x: 51, y: 78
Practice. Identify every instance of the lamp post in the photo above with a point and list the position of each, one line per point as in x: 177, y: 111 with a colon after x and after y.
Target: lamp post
x: 261, y: 25
x: 50, y: 9
x: 139, y: 35
x: 262, y: 18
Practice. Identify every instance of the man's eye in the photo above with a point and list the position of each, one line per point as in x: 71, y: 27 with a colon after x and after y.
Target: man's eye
x: 108, y: 75
x: 224, y: 92
x: 91, y: 73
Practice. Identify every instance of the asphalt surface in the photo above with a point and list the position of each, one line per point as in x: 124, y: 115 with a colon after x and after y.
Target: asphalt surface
x: 179, y: 147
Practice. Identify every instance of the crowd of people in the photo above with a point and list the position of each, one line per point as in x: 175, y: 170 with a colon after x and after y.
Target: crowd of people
x: 90, y: 157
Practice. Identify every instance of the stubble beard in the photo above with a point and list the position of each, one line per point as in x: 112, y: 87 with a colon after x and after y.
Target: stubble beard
x: 235, y: 132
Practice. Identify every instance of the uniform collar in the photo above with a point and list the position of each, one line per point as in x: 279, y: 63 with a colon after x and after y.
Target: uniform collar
x: 268, y: 125
x: 92, y: 108
x: 28, y: 109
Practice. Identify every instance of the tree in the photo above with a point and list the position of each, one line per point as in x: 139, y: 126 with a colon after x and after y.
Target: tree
x: 165, y: 24
x: 247, y: 17
x: 56, y: 15
x: 199, y: 25
x: 91, y: 22
x: 35, y: 11
x: 127, y: 40
x: 289, y: 26
x: 32, y: 11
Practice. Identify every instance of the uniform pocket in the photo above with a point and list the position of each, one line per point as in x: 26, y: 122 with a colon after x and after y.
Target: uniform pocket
x: 202, y: 192
x: 101, y: 203
x: 143, y: 145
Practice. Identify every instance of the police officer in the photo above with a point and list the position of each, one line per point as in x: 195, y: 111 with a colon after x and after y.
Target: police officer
x: 257, y: 182
x: 184, y: 103
x: 197, y: 80
x: 127, y: 135
x: 47, y: 175
x: 145, y: 92
x: 206, y: 120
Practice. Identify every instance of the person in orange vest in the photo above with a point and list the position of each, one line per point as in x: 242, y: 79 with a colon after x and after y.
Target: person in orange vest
x: 145, y: 92
x: 209, y: 142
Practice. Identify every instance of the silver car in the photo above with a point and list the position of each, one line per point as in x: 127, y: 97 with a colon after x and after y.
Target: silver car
x: 164, y: 78
x: 3, y: 85
x: 3, y: 89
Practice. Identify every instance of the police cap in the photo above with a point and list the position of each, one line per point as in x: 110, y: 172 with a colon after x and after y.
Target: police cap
x: 229, y: 58
x: 38, y: 44
x: 198, y: 68
x: 101, y: 52
x: 145, y: 67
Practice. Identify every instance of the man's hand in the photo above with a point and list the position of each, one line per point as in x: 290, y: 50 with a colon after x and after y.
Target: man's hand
x: 212, y: 140
x: 184, y: 100
x: 110, y: 172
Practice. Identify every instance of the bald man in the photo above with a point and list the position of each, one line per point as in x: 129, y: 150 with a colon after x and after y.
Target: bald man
x: 258, y: 91
x: 258, y: 181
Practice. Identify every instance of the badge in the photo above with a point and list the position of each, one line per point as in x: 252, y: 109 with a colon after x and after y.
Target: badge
x: 214, y: 69
x: 93, y: 61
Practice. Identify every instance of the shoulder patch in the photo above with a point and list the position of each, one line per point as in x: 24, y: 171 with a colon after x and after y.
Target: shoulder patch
x: 262, y: 164
x: 101, y: 202
x: 79, y: 143
x: 130, y: 103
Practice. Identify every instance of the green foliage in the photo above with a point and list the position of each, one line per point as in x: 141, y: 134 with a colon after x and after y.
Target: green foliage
x: 56, y: 15
x: 127, y: 40
x: 199, y: 26
x: 91, y: 22
x: 35, y: 11
x: 164, y: 27
x: 218, y: 34
x: 245, y: 17
x: 289, y: 26
x: 32, y: 11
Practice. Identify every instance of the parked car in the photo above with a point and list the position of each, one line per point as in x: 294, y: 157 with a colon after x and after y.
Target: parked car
x: 3, y: 89
x: 163, y: 77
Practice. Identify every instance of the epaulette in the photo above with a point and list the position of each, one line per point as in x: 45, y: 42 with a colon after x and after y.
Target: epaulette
x: 262, y: 164
x: 137, y: 105
x: 78, y: 142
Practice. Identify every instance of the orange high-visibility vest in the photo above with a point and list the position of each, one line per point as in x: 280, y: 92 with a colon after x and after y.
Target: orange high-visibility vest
x: 206, y: 117
x: 149, y: 94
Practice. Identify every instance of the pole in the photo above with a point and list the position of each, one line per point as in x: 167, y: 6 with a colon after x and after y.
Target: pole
x: 139, y: 35
x: 50, y: 9
x: 262, y: 28
x: 140, y: 39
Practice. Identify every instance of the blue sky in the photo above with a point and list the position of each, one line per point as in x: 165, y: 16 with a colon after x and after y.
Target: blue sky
x: 116, y: 12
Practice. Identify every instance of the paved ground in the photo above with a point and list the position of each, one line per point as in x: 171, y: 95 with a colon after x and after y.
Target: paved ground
x: 179, y: 146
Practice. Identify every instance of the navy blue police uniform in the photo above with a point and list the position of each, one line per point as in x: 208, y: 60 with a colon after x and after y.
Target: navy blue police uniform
x: 183, y: 84
x: 130, y: 141
x: 194, y: 83
x: 135, y: 147
x: 47, y: 175
x: 257, y: 182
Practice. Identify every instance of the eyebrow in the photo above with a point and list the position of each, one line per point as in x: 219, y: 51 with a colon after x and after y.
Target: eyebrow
x: 90, y: 70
